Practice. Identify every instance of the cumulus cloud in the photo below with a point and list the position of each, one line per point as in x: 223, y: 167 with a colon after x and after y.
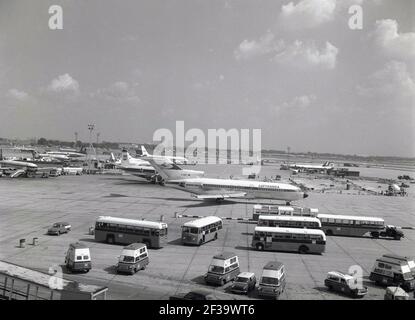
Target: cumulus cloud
x: 307, y: 13
x: 119, y: 91
x: 393, y: 80
x: 17, y: 95
x: 395, y: 44
x: 64, y: 84
x: 297, y: 54
x: 307, y: 54
x: 297, y: 103
x: 250, y: 49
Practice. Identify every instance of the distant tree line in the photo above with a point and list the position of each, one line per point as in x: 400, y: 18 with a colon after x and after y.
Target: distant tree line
x: 78, y: 144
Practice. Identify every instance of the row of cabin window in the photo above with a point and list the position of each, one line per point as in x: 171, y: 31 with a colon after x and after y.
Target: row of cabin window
x: 231, y: 267
x: 288, y: 224
x: 212, y: 225
x: 240, y: 187
x: 136, y: 230
x: 288, y: 236
x: 355, y: 222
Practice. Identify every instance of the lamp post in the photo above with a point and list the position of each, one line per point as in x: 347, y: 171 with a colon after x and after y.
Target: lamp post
x: 90, y: 128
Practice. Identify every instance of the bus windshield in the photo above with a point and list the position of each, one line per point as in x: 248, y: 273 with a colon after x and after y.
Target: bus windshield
x: 216, y: 269
x: 269, y: 281
x: 190, y: 230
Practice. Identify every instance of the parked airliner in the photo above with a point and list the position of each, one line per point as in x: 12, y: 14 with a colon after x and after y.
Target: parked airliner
x: 220, y: 189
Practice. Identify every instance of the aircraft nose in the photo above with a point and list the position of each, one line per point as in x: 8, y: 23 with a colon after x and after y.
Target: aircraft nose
x: 305, y: 195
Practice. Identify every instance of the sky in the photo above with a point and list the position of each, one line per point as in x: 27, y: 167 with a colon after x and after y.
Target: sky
x: 294, y: 69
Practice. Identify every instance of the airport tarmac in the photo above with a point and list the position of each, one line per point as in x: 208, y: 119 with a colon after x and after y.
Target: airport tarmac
x: 29, y: 206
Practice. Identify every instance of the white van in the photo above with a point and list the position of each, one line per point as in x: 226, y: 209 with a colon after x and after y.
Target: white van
x: 134, y: 257
x: 272, y: 281
x: 223, y: 268
x: 393, y: 271
x: 78, y: 257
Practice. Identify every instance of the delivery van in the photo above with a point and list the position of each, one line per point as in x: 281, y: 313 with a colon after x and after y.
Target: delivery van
x: 134, y: 257
x: 223, y: 268
x: 78, y: 257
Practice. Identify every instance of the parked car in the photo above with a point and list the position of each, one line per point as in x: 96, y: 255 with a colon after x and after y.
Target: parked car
x: 244, y: 283
x: 396, y: 293
x: 344, y: 283
x: 195, y: 295
x: 59, y: 228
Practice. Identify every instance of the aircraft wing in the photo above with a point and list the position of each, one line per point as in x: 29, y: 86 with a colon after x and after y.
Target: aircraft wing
x: 219, y: 196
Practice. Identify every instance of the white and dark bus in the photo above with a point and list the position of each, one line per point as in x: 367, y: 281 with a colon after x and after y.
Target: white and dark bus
x: 201, y: 230
x: 289, y: 222
x: 259, y: 210
x: 355, y: 226
x: 127, y: 231
x: 289, y: 239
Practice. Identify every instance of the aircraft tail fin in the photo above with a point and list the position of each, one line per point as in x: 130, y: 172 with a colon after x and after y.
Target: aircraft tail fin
x: 144, y: 151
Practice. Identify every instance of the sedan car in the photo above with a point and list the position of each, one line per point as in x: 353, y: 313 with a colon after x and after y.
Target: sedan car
x: 344, y: 283
x: 59, y: 228
x: 244, y: 283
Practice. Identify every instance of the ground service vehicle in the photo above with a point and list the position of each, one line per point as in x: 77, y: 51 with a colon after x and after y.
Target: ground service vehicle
x: 134, y: 257
x: 244, y: 283
x: 272, y: 281
x: 344, y: 283
x: 223, y: 268
x: 78, y: 257
x: 393, y: 272
x: 289, y: 239
x: 357, y: 226
x: 201, y: 230
x: 126, y: 231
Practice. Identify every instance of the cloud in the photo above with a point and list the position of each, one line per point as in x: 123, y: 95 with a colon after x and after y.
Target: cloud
x: 394, y: 44
x: 307, y: 13
x: 393, y: 80
x: 298, y: 54
x: 297, y: 103
x: 250, y: 49
x: 64, y: 84
x: 17, y: 95
x: 306, y: 54
x: 119, y: 91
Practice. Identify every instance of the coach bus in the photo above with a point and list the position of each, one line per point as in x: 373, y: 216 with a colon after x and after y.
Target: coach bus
x: 355, y: 226
x: 282, y: 211
x: 289, y: 239
x: 289, y: 222
x: 127, y: 231
x: 201, y: 230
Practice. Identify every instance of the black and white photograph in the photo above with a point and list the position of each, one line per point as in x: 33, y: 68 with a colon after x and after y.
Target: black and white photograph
x: 245, y: 152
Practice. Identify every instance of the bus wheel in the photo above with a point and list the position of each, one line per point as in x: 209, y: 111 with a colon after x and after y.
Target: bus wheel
x: 260, y: 246
x: 143, y: 267
x: 329, y: 233
x: 110, y: 239
x: 303, y: 249
x: 375, y: 234
x: 216, y: 236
